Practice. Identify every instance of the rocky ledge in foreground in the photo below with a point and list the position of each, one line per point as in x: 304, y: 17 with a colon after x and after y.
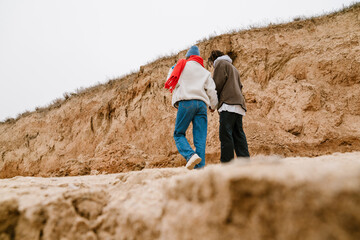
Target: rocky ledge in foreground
x: 266, y: 198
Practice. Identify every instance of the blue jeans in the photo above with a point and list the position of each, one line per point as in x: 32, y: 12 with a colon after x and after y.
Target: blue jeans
x: 194, y: 111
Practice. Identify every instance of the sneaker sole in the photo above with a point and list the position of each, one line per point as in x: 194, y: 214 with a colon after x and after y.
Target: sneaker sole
x: 193, y: 163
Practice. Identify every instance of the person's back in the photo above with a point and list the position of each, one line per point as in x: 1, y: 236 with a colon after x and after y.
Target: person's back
x: 195, y: 83
x: 228, y: 84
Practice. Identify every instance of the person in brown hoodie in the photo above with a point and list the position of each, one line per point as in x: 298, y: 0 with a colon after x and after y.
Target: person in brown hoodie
x: 231, y: 107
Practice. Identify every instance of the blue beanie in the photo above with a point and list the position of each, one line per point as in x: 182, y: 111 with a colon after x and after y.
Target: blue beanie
x: 194, y: 50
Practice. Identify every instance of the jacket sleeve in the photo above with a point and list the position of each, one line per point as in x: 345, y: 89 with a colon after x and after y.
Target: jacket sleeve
x: 210, y: 89
x: 220, y: 77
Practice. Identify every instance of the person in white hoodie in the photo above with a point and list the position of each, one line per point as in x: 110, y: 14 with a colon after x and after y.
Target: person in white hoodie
x: 193, y: 91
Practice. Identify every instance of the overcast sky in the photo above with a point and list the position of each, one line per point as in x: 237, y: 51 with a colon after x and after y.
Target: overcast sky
x: 49, y: 47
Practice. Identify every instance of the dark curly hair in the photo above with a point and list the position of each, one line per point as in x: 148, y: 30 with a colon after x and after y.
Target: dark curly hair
x: 214, y: 55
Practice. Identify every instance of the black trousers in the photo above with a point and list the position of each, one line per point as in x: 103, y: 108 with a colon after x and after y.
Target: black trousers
x: 232, y: 137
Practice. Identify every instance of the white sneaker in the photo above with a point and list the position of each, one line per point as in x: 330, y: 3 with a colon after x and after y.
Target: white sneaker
x: 195, y: 159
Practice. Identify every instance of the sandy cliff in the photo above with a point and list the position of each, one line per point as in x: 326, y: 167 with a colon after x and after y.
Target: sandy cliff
x: 301, y: 83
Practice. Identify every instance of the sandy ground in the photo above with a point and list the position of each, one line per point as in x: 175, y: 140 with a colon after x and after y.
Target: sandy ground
x: 268, y: 197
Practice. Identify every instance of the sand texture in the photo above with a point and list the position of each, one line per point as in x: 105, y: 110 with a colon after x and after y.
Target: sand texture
x: 265, y: 198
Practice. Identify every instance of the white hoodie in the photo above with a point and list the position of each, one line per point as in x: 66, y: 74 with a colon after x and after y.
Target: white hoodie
x: 195, y: 82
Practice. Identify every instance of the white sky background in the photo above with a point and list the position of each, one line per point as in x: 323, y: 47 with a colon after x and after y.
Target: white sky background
x: 49, y: 47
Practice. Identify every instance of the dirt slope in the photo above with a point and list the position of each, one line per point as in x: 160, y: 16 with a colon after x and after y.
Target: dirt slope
x: 301, y: 83
x: 269, y: 198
